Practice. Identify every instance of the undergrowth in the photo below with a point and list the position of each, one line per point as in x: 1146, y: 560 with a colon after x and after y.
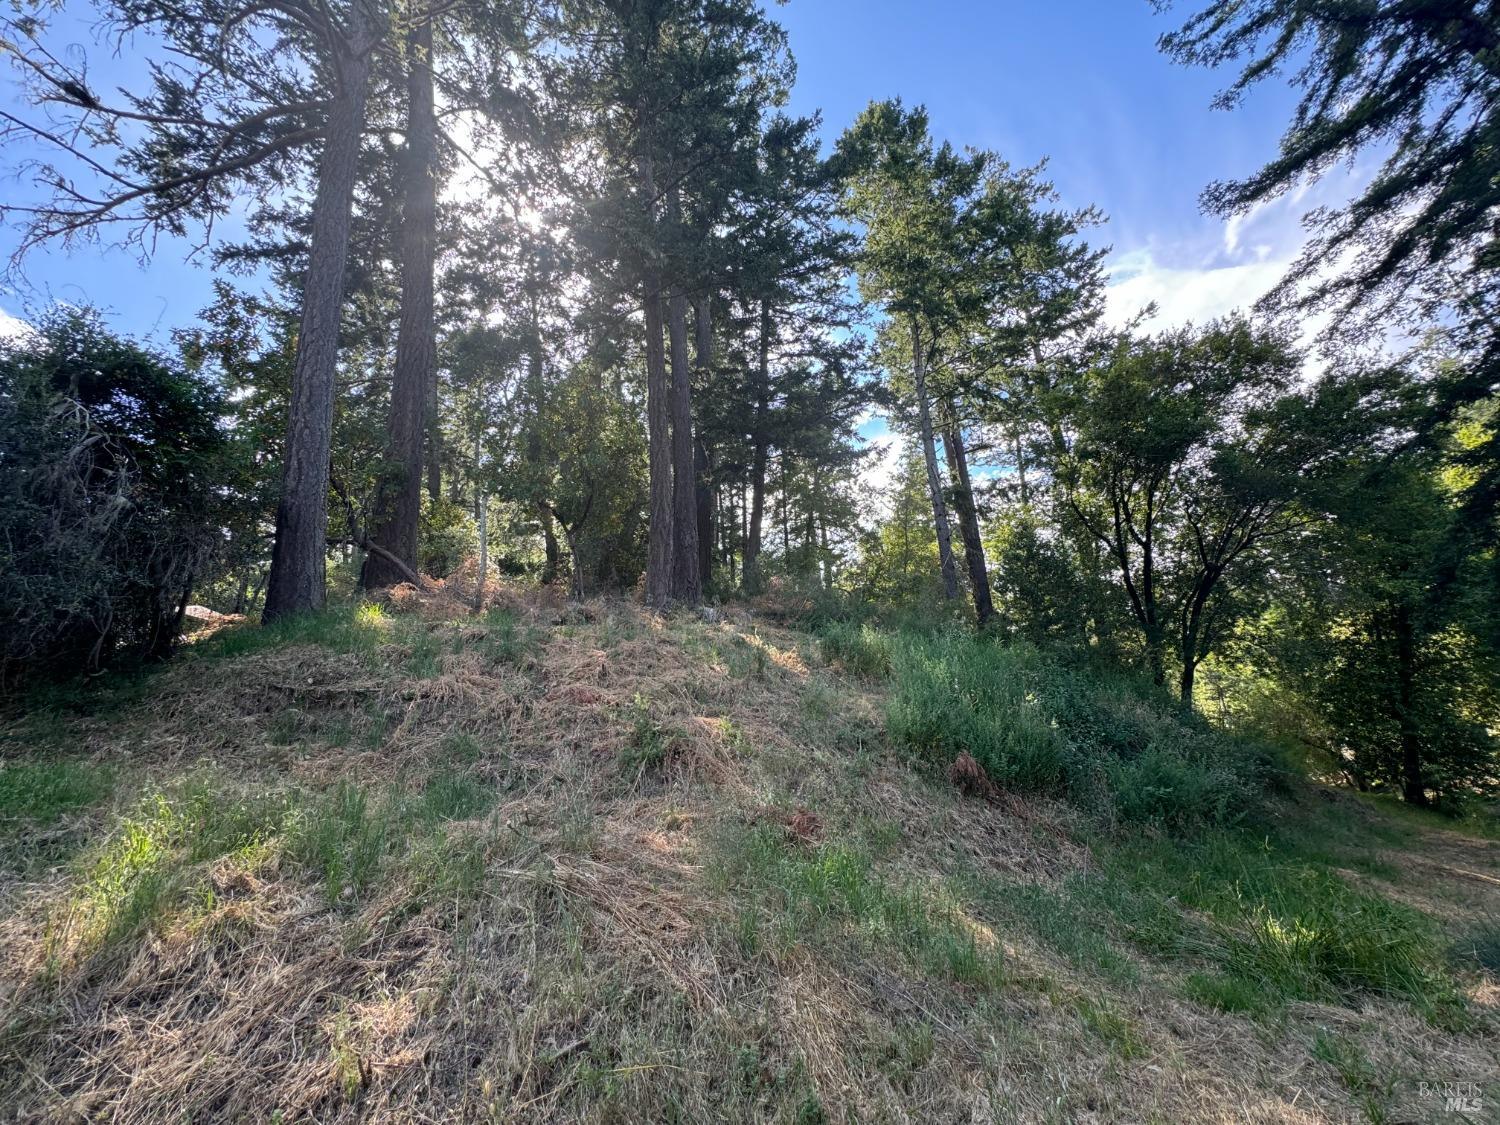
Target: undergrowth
x: 348, y: 838
x: 794, y: 892
x: 41, y: 791
x: 1252, y: 923
x: 1118, y: 748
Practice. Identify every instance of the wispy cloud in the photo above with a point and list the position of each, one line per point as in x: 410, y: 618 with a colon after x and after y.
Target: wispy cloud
x: 1184, y: 294
x: 12, y: 327
x: 1225, y: 272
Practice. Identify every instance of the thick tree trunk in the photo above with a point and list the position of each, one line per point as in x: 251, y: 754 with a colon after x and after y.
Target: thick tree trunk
x: 759, y: 456
x: 1156, y: 656
x: 484, y: 553
x: 299, y: 557
x: 703, y: 354
x: 687, y: 580
x: 929, y: 454
x: 968, y: 522
x: 398, y: 510
x: 550, y: 547
x: 1413, y: 784
x: 658, y: 428
x: 1187, y: 681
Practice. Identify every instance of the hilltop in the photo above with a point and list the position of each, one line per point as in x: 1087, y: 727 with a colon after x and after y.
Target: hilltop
x: 582, y: 862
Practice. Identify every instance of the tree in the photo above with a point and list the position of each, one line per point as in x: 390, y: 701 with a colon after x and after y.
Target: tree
x: 1186, y: 452
x: 668, y: 91
x: 898, y: 560
x: 398, y: 505
x: 1417, y: 77
x: 1029, y: 285
x: 1389, y: 659
x: 110, y: 496
x: 1417, y: 81
x: 787, y: 278
x: 241, y: 92
x: 908, y: 195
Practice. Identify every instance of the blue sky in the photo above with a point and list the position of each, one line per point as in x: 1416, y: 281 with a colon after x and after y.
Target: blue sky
x: 1077, y: 81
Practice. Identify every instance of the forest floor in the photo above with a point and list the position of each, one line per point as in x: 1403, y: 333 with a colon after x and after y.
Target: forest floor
x: 561, y: 863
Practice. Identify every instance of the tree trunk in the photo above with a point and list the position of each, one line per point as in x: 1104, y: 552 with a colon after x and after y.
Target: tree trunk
x: 550, y: 547
x: 484, y: 553
x: 1021, y: 470
x: 1413, y: 784
x: 1156, y: 656
x: 658, y: 427
x: 536, y: 388
x: 968, y: 522
x: 687, y: 581
x: 703, y: 330
x: 434, y: 457
x: 1186, y: 681
x: 298, y: 560
x: 929, y: 453
x: 786, y: 513
x: 827, y: 555
x: 398, y: 509
x: 760, y: 454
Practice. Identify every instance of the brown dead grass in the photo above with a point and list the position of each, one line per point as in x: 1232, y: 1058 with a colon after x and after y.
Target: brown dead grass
x: 592, y: 974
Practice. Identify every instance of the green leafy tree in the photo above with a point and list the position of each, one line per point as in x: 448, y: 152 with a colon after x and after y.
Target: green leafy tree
x: 110, y: 491
x: 1182, y: 467
x: 1415, y: 83
x: 1376, y: 632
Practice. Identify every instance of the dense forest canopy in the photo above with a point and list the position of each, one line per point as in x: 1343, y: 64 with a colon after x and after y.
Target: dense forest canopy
x: 560, y: 290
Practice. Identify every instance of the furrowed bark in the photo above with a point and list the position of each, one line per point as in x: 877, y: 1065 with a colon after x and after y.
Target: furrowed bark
x: 399, y: 508
x: 297, y: 582
x: 929, y: 454
x: 687, y: 582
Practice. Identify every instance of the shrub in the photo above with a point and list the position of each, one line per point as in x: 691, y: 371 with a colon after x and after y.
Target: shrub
x: 449, y: 535
x: 1118, y: 747
x: 110, y: 458
x: 860, y: 649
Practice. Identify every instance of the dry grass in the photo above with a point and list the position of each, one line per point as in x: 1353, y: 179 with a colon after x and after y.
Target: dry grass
x: 581, y: 941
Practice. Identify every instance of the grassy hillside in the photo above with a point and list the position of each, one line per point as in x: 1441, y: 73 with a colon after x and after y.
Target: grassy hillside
x: 563, y: 863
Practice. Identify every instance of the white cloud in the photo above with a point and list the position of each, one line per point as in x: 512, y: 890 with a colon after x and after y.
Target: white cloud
x: 1185, y: 294
x: 1229, y: 270
x: 12, y: 327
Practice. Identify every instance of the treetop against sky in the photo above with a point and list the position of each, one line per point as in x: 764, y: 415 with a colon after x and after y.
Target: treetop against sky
x: 1079, y: 83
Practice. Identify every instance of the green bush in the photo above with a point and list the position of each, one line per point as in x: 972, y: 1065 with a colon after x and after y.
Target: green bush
x: 1117, y: 747
x: 449, y: 535
x: 110, y: 496
x: 860, y: 649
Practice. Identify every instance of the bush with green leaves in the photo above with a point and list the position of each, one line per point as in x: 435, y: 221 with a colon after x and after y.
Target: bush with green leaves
x: 861, y: 649
x: 110, y: 460
x: 449, y: 535
x: 1119, y: 747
